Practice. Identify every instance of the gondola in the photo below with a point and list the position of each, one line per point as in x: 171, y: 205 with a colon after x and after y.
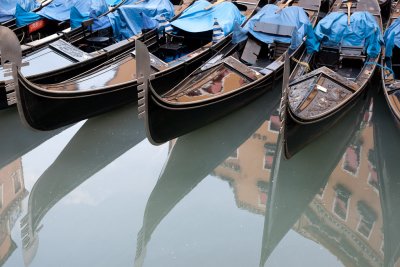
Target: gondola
x: 391, y: 62
x: 182, y: 171
x: 331, y: 76
x: 48, y: 106
x: 387, y: 142
x: 96, y: 144
x: 242, y: 72
x: 297, y: 181
x: 71, y: 60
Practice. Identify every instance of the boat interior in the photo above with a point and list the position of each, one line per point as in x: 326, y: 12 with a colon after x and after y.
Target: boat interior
x: 251, y: 61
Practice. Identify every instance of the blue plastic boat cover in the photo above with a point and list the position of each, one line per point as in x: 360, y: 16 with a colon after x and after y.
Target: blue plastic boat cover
x: 86, y: 9
x: 113, y: 2
x: 130, y: 19
x: 333, y: 30
x: 57, y: 10
x: 392, y: 37
x: 198, y: 19
x: 289, y: 16
x: 7, y: 7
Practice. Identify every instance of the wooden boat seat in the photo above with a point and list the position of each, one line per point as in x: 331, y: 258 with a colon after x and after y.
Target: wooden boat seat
x: 278, y: 49
x: 352, y: 52
x: 253, y: 47
x: 274, y: 29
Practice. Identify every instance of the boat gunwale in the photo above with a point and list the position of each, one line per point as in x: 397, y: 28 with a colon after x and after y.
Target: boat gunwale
x: 342, y: 104
x: 220, y: 97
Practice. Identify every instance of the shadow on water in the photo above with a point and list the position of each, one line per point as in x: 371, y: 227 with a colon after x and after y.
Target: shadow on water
x: 387, y: 139
x: 97, y: 143
x: 17, y: 139
x: 194, y: 156
x: 296, y: 182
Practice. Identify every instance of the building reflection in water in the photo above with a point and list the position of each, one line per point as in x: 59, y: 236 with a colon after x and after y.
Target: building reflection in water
x: 341, y: 211
x: 194, y: 156
x: 12, y: 192
x: 248, y: 169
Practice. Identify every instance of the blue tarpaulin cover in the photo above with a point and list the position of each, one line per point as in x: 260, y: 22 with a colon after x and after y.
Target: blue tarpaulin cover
x: 7, y: 7
x: 333, y: 30
x: 127, y: 20
x: 113, y: 2
x: 57, y: 10
x: 197, y: 19
x: 392, y: 37
x: 289, y: 16
x: 85, y: 9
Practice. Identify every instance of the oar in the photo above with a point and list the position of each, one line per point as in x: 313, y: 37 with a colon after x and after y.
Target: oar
x: 216, y: 3
x: 285, y: 5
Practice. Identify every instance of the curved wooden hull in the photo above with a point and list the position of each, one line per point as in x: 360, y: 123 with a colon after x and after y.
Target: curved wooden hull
x: 165, y: 122
x: 45, y: 111
x: 76, y: 69
x: 297, y: 135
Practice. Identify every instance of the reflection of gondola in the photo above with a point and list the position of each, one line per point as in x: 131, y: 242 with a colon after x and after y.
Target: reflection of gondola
x: 295, y: 182
x: 16, y: 139
x: 94, y: 146
x: 197, y: 154
x: 340, y: 71
x: 387, y: 143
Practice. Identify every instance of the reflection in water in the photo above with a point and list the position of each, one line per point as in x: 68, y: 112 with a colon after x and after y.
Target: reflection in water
x: 194, y: 156
x: 12, y: 192
x: 340, y: 193
x: 387, y: 138
x: 16, y: 139
x: 97, y: 143
x: 336, y: 205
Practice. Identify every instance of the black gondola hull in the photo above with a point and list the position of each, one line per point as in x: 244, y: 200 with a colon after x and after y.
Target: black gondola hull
x: 171, y: 121
x: 78, y: 68
x: 51, y: 111
x: 297, y: 135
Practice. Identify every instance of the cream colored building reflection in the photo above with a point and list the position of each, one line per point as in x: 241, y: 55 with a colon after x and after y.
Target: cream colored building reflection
x: 345, y: 217
x: 249, y: 168
x: 12, y: 191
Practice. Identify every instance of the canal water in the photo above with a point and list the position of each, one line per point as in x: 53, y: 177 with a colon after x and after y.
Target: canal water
x: 99, y: 194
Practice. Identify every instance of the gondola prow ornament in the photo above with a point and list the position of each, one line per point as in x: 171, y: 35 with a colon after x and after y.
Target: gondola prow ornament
x: 11, y: 60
